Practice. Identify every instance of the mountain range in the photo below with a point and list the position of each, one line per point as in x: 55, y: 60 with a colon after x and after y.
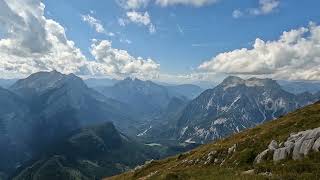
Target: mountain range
x: 40, y: 111
x: 55, y: 121
x: 234, y: 105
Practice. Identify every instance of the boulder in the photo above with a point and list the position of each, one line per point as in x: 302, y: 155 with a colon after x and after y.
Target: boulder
x: 306, y: 146
x: 313, y: 134
x: 273, y: 145
x: 298, y: 144
x: 261, y: 156
x: 296, y: 150
x: 281, y: 153
x: 316, y: 145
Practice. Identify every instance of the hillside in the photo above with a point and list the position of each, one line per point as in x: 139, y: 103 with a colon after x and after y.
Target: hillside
x: 88, y: 153
x: 233, y: 157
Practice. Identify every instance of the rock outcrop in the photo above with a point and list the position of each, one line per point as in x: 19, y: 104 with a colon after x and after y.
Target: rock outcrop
x: 296, y: 146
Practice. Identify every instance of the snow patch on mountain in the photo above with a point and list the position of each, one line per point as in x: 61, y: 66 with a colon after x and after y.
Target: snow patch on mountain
x: 220, y: 121
x: 144, y: 132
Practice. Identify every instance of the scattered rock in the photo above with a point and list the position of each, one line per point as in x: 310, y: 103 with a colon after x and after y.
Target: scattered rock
x: 197, y: 161
x: 212, y: 153
x: 251, y: 171
x: 269, y: 174
x: 232, y: 149
x: 216, y: 160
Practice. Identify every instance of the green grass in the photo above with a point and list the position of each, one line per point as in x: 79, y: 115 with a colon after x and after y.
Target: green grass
x: 249, y: 144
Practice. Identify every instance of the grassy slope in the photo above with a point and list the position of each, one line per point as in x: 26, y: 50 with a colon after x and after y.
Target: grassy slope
x: 249, y: 143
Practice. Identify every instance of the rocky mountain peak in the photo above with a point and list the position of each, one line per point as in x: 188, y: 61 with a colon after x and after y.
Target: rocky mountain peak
x: 43, y: 81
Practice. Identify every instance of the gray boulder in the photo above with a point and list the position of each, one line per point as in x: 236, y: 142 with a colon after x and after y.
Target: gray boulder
x: 273, y: 145
x: 298, y: 144
x: 316, y: 145
x: 306, y: 146
x: 261, y: 156
x: 281, y: 153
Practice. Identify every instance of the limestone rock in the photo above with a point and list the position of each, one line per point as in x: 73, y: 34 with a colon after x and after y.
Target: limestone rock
x: 280, y: 154
x: 273, y: 145
x: 261, y: 156
x: 296, y: 150
x: 306, y: 146
x: 297, y: 144
x: 316, y: 145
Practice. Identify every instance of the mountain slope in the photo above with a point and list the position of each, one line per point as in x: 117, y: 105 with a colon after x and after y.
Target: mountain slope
x: 52, y: 94
x: 233, y: 157
x: 88, y: 153
x: 145, y: 97
x: 44, y: 108
x: 187, y: 90
x: 234, y: 105
x: 12, y: 137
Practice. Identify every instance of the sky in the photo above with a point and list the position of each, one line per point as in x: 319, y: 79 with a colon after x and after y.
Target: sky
x: 179, y: 41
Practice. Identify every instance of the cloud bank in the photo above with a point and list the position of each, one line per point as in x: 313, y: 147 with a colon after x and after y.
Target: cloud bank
x: 294, y: 56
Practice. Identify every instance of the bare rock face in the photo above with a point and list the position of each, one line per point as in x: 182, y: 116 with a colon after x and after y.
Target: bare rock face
x: 296, y: 146
x: 281, y: 153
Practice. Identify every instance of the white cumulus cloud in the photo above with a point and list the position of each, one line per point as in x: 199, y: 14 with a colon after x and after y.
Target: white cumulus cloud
x: 294, y: 56
x: 119, y: 62
x: 96, y: 24
x: 265, y: 7
x: 139, y: 18
x: 33, y: 43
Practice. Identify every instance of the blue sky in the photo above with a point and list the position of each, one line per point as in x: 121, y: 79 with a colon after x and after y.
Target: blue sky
x: 177, y: 40
x: 206, y: 31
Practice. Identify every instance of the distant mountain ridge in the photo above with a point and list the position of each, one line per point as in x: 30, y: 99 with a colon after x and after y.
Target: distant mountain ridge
x: 52, y: 92
x: 145, y: 96
x: 234, y: 105
x: 298, y: 87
